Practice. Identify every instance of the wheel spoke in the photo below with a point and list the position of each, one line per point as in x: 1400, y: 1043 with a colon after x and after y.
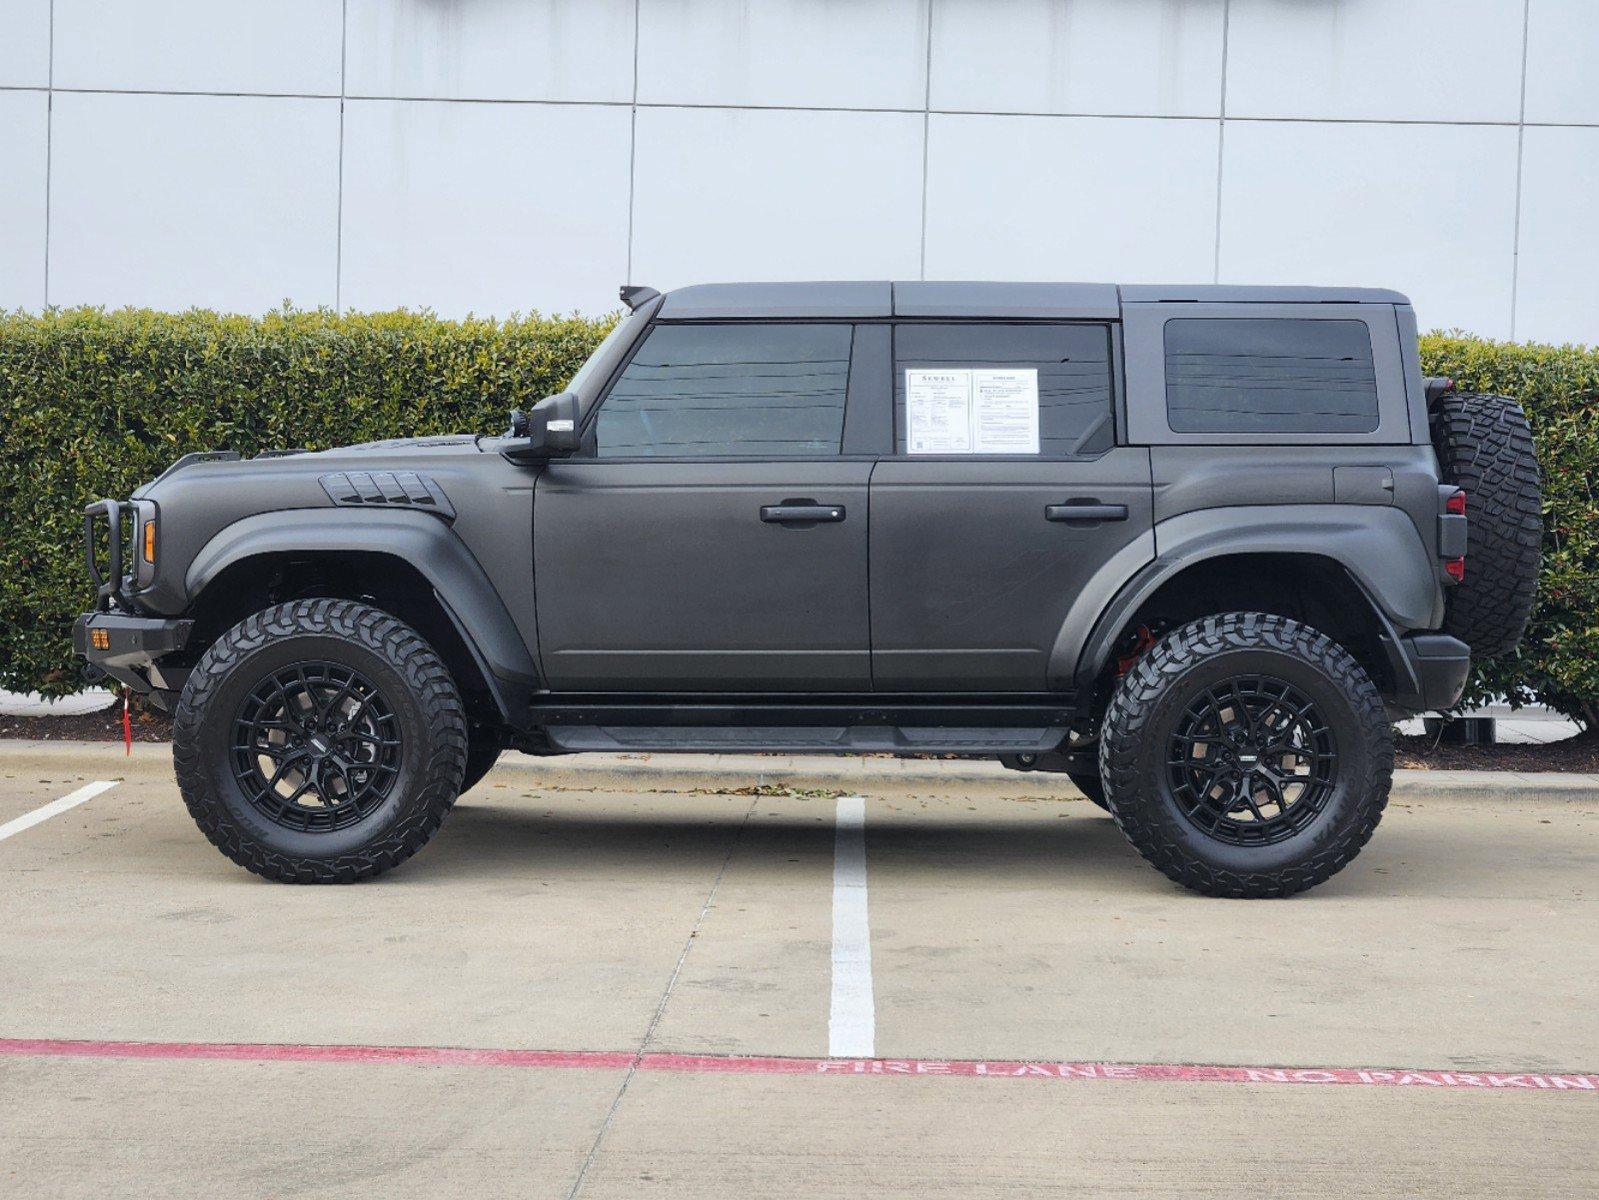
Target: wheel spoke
x: 272, y: 747
x: 1251, y: 760
x: 285, y: 765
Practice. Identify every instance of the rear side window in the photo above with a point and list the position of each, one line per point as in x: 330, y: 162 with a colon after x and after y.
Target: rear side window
x: 740, y: 390
x: 1245, y: 375
x: 1003, y: 389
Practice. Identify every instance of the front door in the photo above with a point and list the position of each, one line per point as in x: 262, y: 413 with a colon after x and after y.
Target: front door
x: 1006, y: 496
x: 710, y: 537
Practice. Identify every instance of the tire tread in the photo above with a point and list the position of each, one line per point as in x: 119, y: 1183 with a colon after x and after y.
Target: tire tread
x: 1126, y: 727
x: 1484, y: 445
x: 425, y: 674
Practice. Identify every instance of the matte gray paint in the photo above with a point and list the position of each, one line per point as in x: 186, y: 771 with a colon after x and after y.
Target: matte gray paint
x: 661, y: 576
x: 1144, y: 326
x: 970, y: 582
x: 415, y: 538
x: 980, y: 298
x: 707, y: 301
x: 1378, y: 546
x: 1415, y: 388
x: 1233, y: 293
x: 1030, y: 301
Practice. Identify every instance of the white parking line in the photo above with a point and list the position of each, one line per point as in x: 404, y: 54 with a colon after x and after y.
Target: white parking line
x: 852, y: 1018
x: 56, y: 807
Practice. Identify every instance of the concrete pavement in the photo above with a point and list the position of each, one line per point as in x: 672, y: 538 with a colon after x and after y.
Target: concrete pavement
x: 624, y: 907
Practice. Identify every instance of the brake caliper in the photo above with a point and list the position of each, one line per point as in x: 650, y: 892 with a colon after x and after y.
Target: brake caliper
x: 1142, y: 639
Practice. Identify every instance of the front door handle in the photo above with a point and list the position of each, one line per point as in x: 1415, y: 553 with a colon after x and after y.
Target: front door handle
x: 1086, y: 510
x: 791, y: 512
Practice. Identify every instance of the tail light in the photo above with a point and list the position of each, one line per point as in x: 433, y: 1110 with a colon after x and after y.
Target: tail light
x: 1452, y: 532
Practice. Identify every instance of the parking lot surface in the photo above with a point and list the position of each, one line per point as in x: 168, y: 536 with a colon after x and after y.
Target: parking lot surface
x: 627, y: 982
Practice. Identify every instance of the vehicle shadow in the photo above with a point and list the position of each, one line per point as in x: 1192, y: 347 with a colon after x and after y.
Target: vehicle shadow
x: 496, y: 840
x: 1068, y: 843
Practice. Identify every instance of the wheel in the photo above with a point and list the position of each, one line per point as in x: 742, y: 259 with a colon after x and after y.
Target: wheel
x: 320, y: 741
x: 483, y: 749
x: 1247, y: 755
x: 1090, y: 786
x: 1484, y: 446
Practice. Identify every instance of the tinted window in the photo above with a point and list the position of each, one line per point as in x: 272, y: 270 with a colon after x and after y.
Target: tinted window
x: 1072, y: 361
x: 1269, y: 376
x: 743, y: 390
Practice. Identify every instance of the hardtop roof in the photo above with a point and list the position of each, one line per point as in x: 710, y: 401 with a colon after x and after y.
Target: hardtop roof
x: 938, y: 298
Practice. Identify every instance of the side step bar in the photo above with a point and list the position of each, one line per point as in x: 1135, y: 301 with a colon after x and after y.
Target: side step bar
x: 857, y: 739
x: 824, y: 725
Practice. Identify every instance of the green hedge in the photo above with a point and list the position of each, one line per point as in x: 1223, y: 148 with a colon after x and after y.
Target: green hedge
x: 93, y: 403
x: 1558, y: 662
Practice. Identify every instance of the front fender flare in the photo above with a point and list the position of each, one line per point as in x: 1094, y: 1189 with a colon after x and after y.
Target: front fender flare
x: 1378, y: 546
x: 417, y: 539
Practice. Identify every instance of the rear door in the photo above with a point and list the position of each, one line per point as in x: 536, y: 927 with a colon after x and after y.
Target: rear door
x: 711, y: 536
x: 1006, y: 495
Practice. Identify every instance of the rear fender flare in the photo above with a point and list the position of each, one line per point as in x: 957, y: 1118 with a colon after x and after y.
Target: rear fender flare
x: 421, y: 541
x: 1377, y: 546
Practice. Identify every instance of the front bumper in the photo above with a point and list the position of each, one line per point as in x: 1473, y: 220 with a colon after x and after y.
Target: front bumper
x: 1430, y: 670
x: 126, y: 648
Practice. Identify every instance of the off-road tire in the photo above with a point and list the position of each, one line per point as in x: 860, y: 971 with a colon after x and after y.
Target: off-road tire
x: 483, y: 749
x: 1150, y: 700
x: 1484, y: 445
x: 1091, y: 786
x: 412, y: 678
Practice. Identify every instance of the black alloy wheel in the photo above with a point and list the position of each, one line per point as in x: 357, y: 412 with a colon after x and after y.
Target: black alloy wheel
x: 320, y: 741
x: 1252, y: 761
x: 316, y: 746
x: 1247, y: 755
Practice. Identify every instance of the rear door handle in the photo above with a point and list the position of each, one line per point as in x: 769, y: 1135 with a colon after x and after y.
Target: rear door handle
x: 788, y: 514
x: 1086, y: 510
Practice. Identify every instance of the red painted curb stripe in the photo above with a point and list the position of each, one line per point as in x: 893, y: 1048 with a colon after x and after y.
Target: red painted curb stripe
x: 715, y: 1064
x: 423, y: 1056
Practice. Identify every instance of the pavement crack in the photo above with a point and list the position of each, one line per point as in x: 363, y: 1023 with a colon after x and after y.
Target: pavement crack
x: 660, y: 1008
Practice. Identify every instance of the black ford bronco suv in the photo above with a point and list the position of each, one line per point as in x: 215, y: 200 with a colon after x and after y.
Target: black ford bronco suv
x: 1195, y: 547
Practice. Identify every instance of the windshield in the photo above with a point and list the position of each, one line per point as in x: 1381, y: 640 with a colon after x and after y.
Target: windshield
x: 585, y: 380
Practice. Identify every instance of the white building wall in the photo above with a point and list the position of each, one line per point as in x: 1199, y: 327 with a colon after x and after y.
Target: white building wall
x: 500, y: 155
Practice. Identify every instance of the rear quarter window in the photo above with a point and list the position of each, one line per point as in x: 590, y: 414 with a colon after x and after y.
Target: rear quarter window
x: 1269, y: 375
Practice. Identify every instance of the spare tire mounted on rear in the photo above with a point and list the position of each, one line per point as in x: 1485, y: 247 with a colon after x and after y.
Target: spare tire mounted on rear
x: 1484, y: 446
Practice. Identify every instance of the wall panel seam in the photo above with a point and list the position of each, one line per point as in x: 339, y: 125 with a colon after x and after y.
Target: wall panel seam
x: 927, y: 131
x: 632, y: 144
x: 820, y: 108
x: 338, y: 203
x: 1221, y: 138
x: 1521, y: 141
x: 49, y: 138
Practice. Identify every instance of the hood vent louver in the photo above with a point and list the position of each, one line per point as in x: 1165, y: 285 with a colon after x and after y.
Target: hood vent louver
x: 387, y: 489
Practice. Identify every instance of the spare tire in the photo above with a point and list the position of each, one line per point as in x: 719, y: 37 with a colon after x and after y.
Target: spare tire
x: 1484, y: 446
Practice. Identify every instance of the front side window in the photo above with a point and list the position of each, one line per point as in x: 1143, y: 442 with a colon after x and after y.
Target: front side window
x: 736, y: 390
x: 1269, y: 375
x: 1038, y: 390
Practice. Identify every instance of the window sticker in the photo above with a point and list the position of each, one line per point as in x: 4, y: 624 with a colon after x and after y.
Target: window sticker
x: 938, y: 407
x: 971, y: 411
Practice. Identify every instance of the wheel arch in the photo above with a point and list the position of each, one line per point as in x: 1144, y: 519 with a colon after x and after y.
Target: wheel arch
x: 1360, y: 573
x: 410, y: 564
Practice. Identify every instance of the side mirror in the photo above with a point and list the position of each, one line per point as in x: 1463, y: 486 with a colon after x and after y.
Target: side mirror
x: 547, y: 430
